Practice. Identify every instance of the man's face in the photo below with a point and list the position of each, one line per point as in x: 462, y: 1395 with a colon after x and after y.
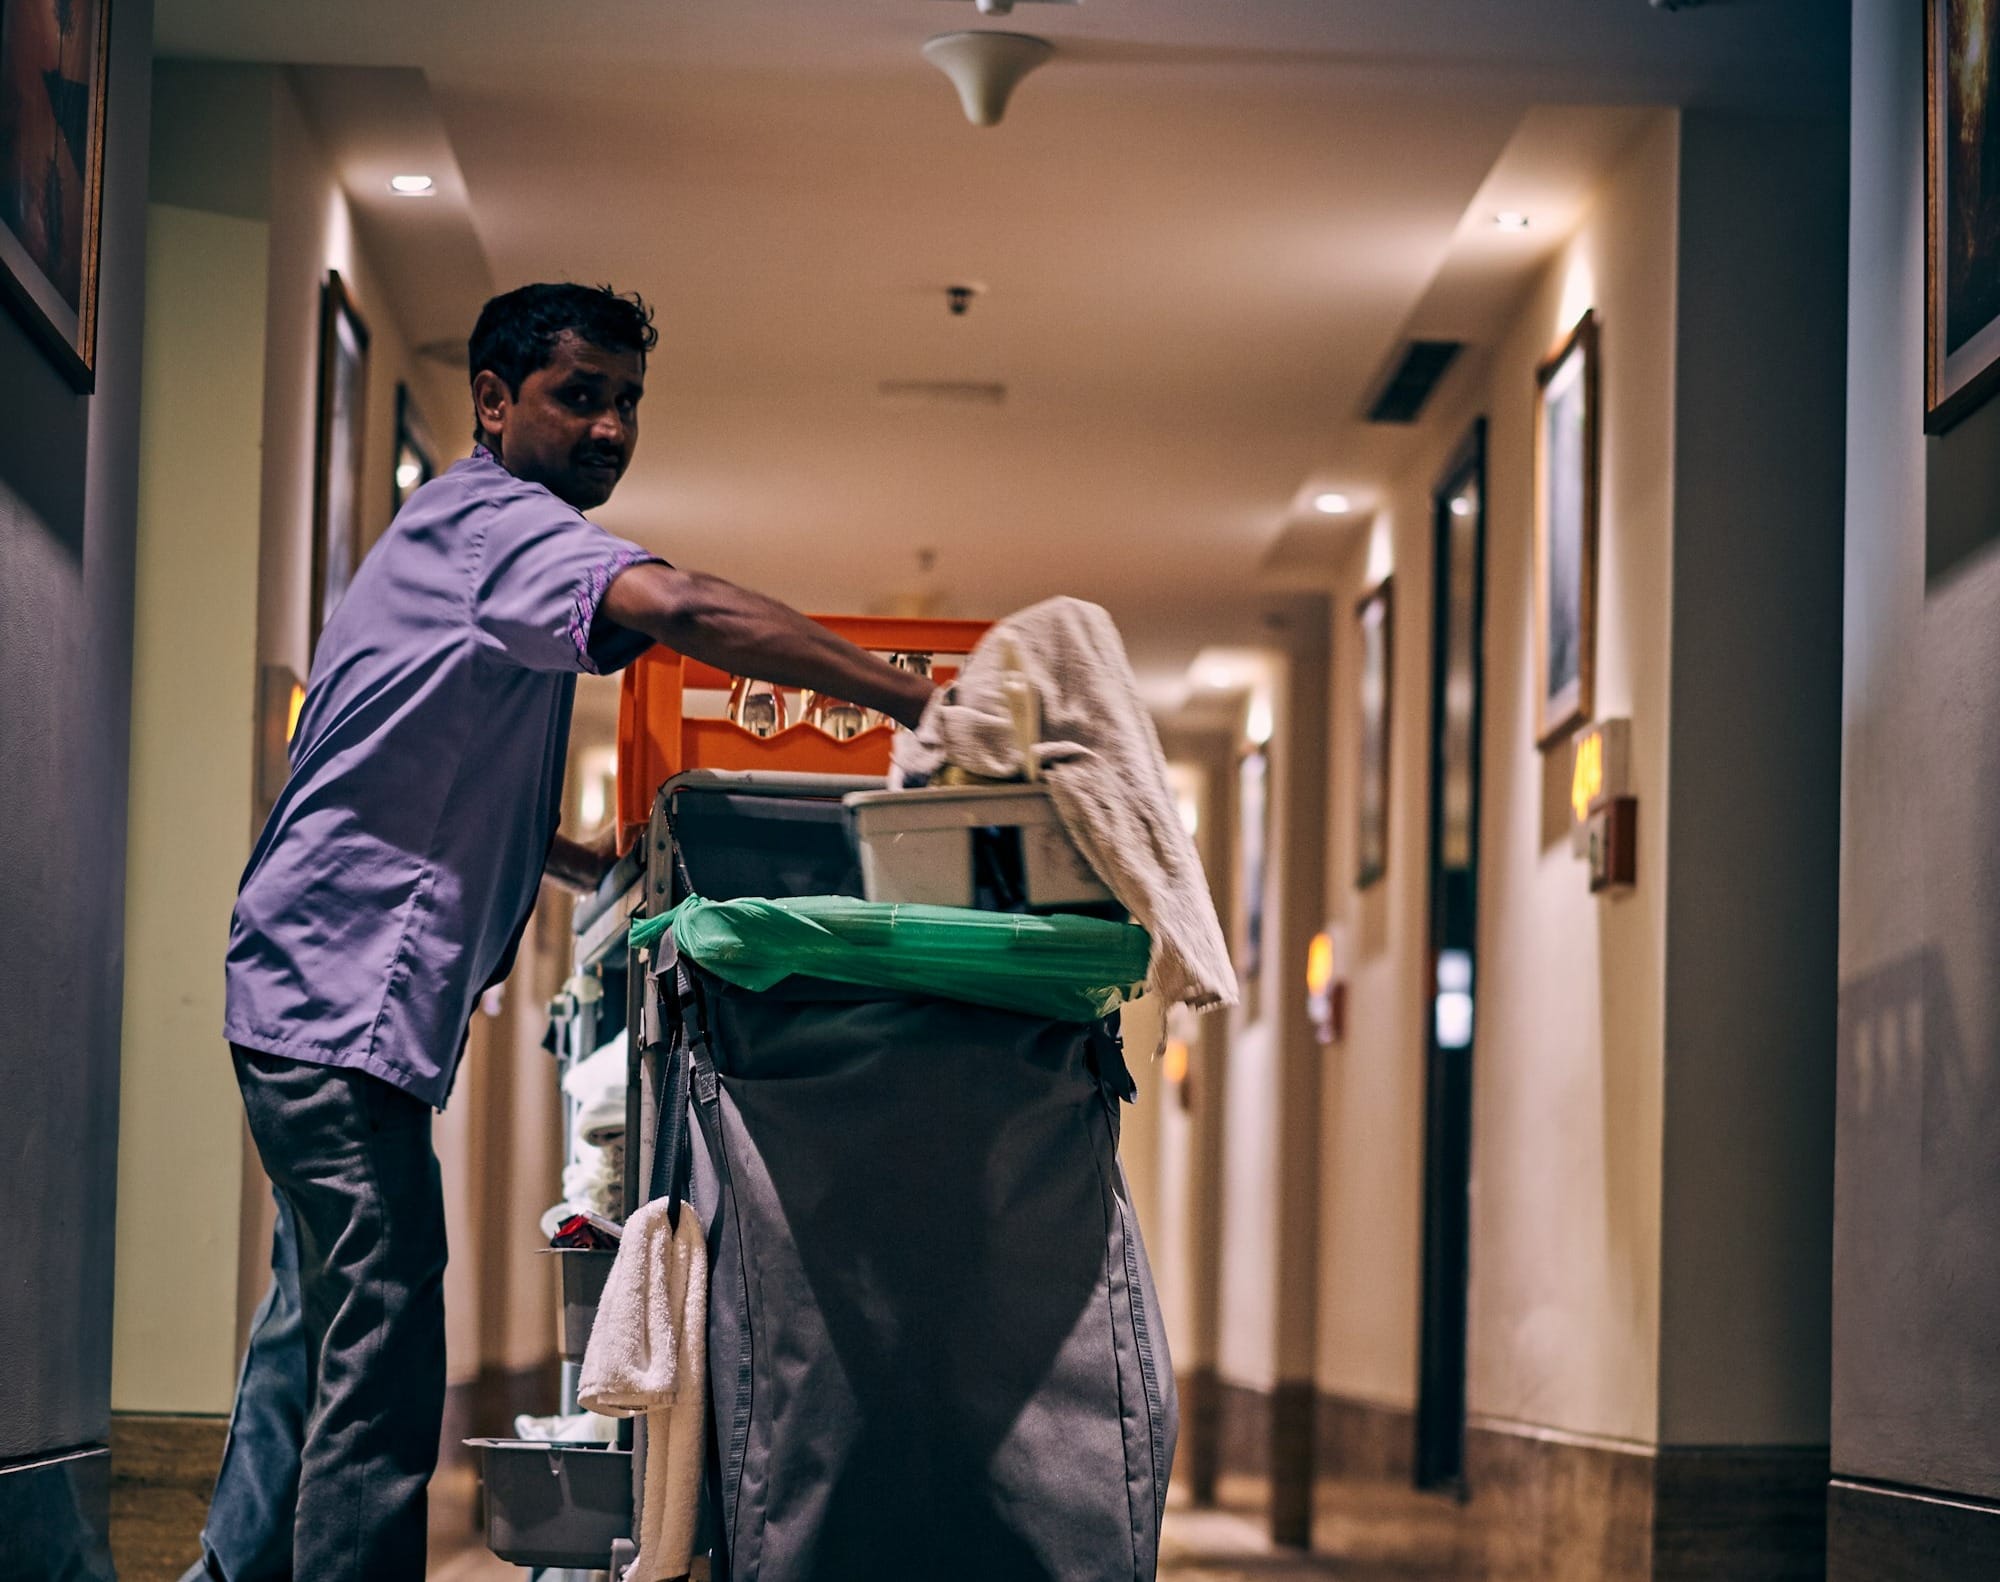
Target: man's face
x: 575, y: 423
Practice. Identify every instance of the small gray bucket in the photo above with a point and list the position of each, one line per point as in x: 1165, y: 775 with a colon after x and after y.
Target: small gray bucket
x: 550, y: 1504
x: 584, y: 1271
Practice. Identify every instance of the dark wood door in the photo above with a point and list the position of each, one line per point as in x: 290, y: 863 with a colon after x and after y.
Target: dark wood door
x: 1457, y: 682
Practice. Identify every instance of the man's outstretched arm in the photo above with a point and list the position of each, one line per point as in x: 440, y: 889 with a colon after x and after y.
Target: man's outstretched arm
x: 578, y: 865
x: 747, y: 634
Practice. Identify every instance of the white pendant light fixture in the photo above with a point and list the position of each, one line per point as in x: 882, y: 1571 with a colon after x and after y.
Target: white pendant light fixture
x: 985, y: 68
x: 1006, y: 7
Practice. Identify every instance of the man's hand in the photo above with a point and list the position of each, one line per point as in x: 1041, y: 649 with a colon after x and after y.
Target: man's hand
x: 581, y: 864
x: 747, y: 634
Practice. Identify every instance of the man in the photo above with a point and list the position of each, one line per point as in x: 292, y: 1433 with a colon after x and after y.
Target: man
x: 390, y: 887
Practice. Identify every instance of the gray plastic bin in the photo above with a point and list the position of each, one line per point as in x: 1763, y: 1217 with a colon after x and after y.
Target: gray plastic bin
x: 555, y: 1504
x: 584, y: 1271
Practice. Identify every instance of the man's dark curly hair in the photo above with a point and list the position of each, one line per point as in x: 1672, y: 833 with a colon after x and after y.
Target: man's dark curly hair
x: 518, y: 330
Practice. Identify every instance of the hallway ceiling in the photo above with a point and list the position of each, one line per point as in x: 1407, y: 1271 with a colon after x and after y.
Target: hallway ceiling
x: 1202, y: 232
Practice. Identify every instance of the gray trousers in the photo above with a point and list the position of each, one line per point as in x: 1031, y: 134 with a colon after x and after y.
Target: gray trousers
x: 335, y: 1431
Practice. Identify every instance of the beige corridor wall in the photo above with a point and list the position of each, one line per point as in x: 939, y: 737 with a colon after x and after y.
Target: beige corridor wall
x: 1567, y: 1120
x: 1188, y: 1244
x: 194, y: 680
x: 180, y: 1145
x: 1247, y: 1330
x: 1270, y: 1076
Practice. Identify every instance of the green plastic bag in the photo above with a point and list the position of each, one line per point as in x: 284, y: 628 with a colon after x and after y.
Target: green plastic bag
x: 1069, y: 969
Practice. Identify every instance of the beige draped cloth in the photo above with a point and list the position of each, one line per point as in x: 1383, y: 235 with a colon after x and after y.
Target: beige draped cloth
x: 1101, y: 758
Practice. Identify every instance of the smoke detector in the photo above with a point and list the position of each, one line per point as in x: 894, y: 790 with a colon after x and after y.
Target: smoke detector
x: 985, y: 68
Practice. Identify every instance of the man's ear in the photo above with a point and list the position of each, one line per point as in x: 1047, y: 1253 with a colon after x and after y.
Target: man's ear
x: 490, y: 401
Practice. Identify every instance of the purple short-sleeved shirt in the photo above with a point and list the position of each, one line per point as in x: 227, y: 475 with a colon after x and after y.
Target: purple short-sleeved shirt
x: 396, y: 872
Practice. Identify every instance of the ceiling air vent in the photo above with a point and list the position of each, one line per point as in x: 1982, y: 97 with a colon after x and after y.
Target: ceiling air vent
x: 942, y: 392
x: 1412, y: 380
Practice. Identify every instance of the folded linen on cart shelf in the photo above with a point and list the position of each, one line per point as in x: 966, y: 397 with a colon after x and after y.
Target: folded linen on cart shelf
x: 648, y: 1354
x: 593, y: 1179
x: 597, y: 1084
x: 578, y: 1428
x: 1106, y: 774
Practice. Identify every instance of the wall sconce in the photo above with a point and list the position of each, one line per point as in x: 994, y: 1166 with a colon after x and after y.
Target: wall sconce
x: 1326, y: 985
x: 1606, y: 813
x: 280, y: 697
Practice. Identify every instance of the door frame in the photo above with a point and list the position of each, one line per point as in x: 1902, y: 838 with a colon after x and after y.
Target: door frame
x: 1448, y: 1074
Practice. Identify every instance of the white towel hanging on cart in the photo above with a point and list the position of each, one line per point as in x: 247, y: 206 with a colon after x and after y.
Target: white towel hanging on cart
x: 648, y: 1354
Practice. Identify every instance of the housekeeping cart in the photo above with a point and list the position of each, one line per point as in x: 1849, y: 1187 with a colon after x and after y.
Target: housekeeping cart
x: 932, y: 1342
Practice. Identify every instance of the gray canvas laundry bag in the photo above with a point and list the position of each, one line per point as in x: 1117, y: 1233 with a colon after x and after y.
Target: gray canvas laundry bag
x: 934, y: 1346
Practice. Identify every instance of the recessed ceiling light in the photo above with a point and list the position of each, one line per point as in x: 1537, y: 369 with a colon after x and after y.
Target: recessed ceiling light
x: 1332, y: 504
x: 1511, y: 220
x: 412, y: 186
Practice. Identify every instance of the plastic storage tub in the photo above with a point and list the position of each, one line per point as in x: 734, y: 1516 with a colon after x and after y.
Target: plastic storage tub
x: 661, y: 735
x: 584, y: 1271
x: 922, y: 847
x: 551, y: 1504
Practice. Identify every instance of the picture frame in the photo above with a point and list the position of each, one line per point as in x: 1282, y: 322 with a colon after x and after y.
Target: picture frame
x: 1961, y: 212
x: 1566, y: 526
x: 338, y: 450
x: 415, y: 455
x: 1375, y: 618
x: 54, y: 57
x: 1253, y: 815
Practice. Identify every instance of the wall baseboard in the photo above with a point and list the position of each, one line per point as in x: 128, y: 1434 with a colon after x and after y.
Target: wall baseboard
x: 1293, y: 1428
x: 486, y: 1405
x: 1881, y: 1533
x: 1199, y: 1461
x: 1243, y: 1429
x: 1559, y: 1508
x: 1758, y: 1511
x: 1363, y: 1441
x: 1555, y: 1508
x: 162, y: 1473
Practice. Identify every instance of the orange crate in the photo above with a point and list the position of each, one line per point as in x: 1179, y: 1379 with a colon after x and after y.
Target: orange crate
x: 658, y: 738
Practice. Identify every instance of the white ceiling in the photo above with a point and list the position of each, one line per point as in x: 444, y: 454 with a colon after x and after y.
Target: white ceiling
x: 1203, y: 229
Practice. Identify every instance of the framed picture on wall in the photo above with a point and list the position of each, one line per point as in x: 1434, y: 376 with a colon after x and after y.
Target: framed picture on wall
x: 53, y: 55
x: 1566, y: 535
x: 1253, y: 811
x: 337, y: 456
x: 1962, y: 207
x: 415, y: 465
x: 1376, y: 618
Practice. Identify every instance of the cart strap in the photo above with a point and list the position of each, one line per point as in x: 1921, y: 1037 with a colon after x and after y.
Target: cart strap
x: 672, y: 1152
